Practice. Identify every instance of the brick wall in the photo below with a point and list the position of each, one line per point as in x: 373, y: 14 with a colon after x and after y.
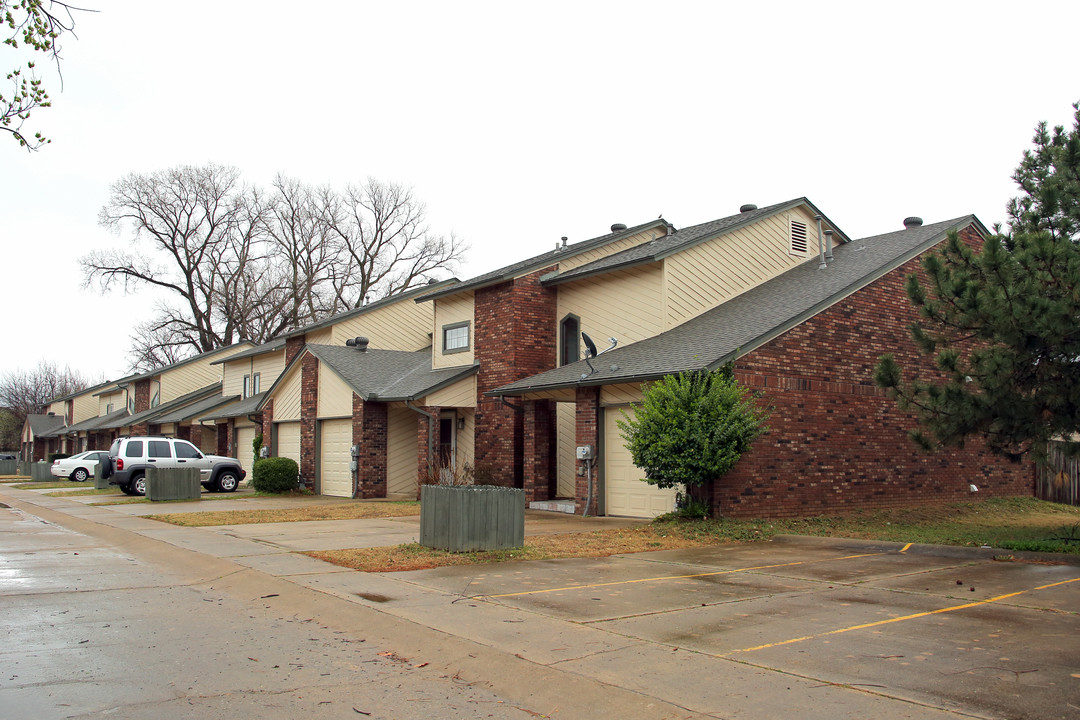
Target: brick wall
x: 293, y: 346
x: 426, y: 462
x: 540, y: 464
x: 223, y: 438
x: 586, y: 432
x: 369, y: 432
x: 515, y: 336
x: 309, y: 403
x: 836, y: 441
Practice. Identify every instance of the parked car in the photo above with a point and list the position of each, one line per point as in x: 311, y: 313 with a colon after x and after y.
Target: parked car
x: 132, y: 456
x: 78, y: 467
x: 7, y: 456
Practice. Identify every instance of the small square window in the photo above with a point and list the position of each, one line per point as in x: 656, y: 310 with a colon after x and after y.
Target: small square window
x: 455, y: 338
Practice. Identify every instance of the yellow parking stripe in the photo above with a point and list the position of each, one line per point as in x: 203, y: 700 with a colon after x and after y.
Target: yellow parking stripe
x: 904, y: 549
x: 899, y: 619
x: 669, y: 577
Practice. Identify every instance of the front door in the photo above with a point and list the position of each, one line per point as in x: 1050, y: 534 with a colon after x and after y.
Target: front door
x: 447, y: 447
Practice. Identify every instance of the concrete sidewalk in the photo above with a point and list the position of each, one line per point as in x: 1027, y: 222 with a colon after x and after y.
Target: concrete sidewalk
x: 631, y: 636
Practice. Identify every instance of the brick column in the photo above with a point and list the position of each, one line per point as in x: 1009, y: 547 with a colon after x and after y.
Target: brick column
x: 309, y: 408
x: 223, y: 438
x: 369, y: 432
x: 183, y: 432
x: 587, y: 432
x: 268, y: 425
x: 540, y: 464
x: 293, y: 346
x: 426, y: 465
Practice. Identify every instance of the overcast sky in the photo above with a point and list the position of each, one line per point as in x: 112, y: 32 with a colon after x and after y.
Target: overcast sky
x: 519, y: 123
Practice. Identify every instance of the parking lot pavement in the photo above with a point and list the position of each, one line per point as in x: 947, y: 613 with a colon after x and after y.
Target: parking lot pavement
x: 965, y: 634
x: 807, y: 628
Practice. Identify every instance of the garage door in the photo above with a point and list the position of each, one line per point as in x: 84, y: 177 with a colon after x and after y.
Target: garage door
x: 244, y: 451
x: 288, y: 441
x: 625, y: 493
x: 334, y: 443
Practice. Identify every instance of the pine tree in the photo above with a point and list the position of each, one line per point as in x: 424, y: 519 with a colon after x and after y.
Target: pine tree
x: 1003, y: 322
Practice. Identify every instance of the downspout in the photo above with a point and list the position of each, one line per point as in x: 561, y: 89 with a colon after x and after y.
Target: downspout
x: 820, y: 244
x: 430, y: 432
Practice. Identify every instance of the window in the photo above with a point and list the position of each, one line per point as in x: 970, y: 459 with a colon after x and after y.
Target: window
x: 570, y: 341
x: 798, y: 238
x: 133, y: 449
x: 187, y: 451
x: 156, y: 400
x: 108, y: 408
x: 247, y: 386
x: 158, y: 449
x: 255, y: 384
x: 455, y: 338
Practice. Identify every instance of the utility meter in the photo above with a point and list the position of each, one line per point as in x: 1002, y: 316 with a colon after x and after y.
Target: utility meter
x: 354, y: 451
x: 585, y: 452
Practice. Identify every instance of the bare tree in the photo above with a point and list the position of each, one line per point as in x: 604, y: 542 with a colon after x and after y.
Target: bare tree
x: 387, y: 245
x: 236, y: 263
x: 194, y: 229
x: 25, y: 392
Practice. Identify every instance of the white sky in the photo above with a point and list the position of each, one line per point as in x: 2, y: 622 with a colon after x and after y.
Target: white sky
x: 519, y: 123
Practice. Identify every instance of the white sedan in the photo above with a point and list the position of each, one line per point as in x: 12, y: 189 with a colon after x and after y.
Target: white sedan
x: 78, y: 467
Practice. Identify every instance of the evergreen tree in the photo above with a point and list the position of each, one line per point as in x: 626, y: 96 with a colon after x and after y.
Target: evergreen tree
x: 692, y: 428
x: 1003, y: 322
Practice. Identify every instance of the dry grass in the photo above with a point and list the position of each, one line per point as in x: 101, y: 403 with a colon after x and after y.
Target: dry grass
x: 1010, y: 523
x: 600, y: 543
x: 339, y: 511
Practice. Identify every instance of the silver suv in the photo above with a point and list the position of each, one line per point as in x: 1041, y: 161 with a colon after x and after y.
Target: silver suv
x: 132, y: 456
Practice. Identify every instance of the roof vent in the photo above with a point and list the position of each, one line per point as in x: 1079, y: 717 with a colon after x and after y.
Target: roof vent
x: 360, y: 343
x: 618, y: 227
x: 912, y: 222
x: 748, y: 207
x: 431, y: 281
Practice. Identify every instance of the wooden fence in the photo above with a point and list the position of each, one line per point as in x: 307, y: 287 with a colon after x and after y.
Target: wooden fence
x: 1058, y: 479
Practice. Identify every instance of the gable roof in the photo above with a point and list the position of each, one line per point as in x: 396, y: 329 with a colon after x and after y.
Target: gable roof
x: 42, y: 425
x: 748, y: 321
x: 77, y: 393
x: 370, y: 307
x: 195, y: 409
x: 388, y: 375
x: 541, y: 261
x: 679, y: 240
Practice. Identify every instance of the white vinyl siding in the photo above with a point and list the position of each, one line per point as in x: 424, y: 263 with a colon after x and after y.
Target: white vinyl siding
x: 287, y: 396
x: 566, y: 429
x: 335, y: 396
x: 450, y: 311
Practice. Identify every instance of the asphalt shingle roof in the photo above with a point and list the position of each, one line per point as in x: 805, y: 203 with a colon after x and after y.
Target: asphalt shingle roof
x: 195, y: 409
x: 751, y: 319
x: 96, y: 422
x: 243, y: 408
x: 539, y: 261
x: 153, y: 413
x: 666, y: 245
x: 396, y: 297
x: 387, y: 375
x: 271, y: 346
x: 45, y: 425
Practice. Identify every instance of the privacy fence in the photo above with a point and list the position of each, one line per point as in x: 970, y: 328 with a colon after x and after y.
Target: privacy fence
x: 1058, y: 479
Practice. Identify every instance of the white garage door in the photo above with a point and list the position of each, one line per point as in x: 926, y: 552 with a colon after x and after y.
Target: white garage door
x: 288, y: 441
x: 334, y: 443
x: 625, y: 493
x: 244, y: 451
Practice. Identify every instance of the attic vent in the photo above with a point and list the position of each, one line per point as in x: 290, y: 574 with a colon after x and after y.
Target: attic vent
x: 618, y: 227
x: 798, y: 238
x: 749, y: 207
x: 912, y: 222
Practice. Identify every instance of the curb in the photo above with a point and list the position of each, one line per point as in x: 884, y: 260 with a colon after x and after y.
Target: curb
x: 946, y: 551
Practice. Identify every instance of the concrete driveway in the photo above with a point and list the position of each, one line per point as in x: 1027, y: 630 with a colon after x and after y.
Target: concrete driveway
x: 801, y: 628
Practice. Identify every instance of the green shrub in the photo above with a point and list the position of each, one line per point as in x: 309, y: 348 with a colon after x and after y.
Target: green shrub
x: 58, y: 456
x: 275, y: 475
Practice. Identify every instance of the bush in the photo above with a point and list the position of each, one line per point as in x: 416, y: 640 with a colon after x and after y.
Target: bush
x: 275, y: 475
x: 58, y: 456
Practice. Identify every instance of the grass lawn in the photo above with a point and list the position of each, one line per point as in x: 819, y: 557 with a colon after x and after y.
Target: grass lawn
x: 52, y: 484
x: 1011, y: 524
x: 340, y: 511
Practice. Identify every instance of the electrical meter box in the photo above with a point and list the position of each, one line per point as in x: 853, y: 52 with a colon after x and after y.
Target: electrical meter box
x: 585, y: 452
x: 354, y: 451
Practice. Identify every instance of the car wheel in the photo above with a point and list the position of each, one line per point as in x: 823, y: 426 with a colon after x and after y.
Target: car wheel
x: 138, y: 485
x: 126, y: 489
x: 227, y: 481
x: 80, y: 475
